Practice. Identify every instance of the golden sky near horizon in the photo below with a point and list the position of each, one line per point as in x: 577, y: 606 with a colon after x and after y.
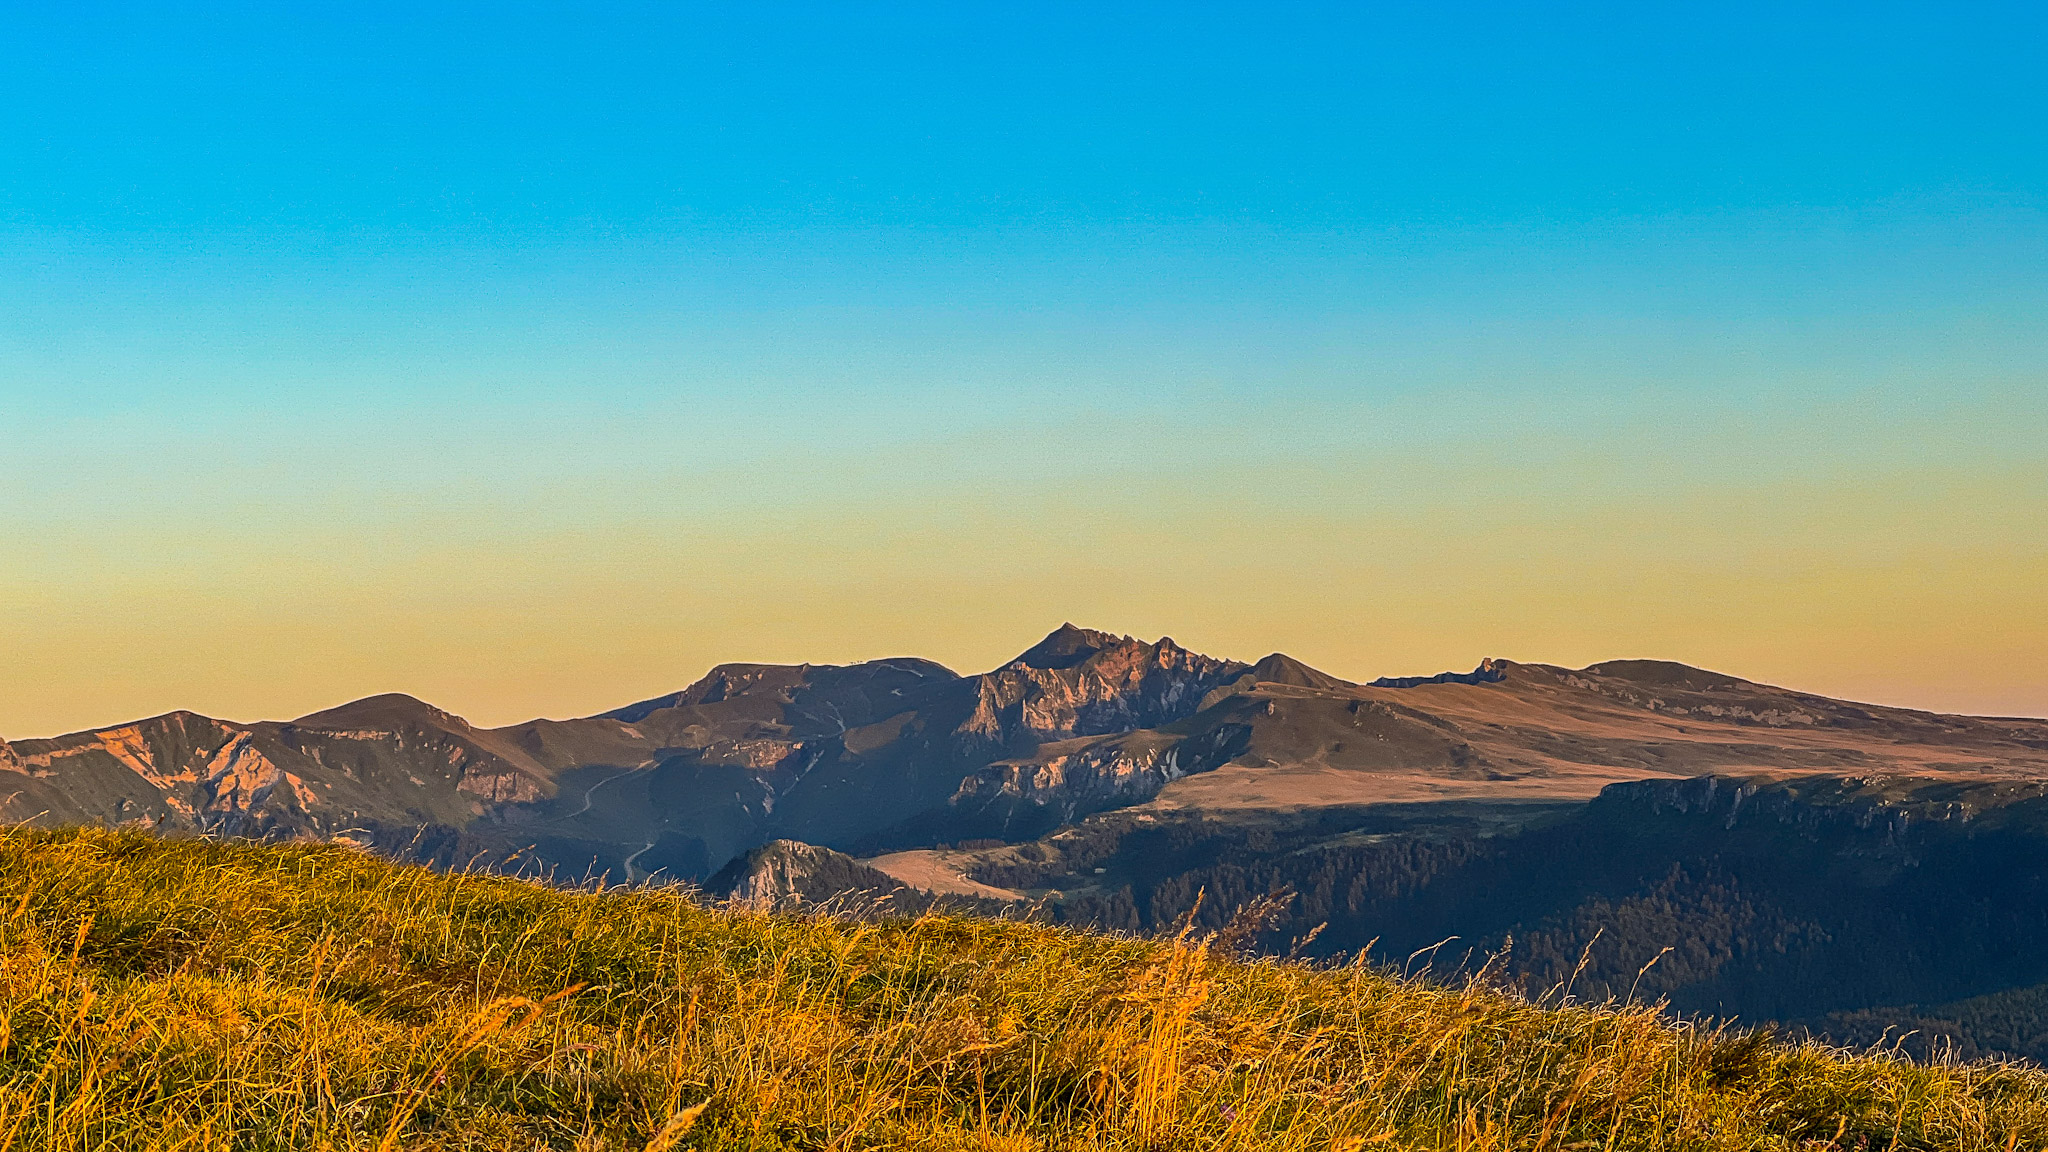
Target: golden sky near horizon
x: 1918, y: 583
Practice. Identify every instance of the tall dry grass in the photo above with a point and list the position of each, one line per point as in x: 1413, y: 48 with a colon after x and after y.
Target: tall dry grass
x: 198, y: 995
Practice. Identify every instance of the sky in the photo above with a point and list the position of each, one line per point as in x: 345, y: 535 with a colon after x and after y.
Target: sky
x: 532, y: 358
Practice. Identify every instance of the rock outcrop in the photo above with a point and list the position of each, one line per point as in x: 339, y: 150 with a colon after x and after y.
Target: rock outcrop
x: 1078, y: 682
x: 1073, y: 778
x: 785, y: 872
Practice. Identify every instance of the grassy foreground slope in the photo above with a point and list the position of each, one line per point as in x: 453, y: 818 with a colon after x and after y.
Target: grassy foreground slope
x: 197, y: 994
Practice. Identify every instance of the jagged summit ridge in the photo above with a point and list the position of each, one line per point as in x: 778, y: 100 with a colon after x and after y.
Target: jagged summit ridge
x: 1078, y: 682
x: 1066, y: 646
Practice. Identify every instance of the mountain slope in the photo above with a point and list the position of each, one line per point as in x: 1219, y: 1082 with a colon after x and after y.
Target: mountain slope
x: 1538, y: 732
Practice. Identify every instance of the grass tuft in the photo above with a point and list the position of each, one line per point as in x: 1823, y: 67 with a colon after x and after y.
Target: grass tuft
x: 165, y: 995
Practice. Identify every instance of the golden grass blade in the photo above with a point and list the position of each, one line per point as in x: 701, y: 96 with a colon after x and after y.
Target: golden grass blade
x: 677, y: 1125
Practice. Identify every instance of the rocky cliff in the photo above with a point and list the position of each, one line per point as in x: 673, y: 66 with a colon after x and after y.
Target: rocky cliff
x: 390, y: 759
x: 1069, y: 779
x: 1078, y: 682
x: 1888, y: 804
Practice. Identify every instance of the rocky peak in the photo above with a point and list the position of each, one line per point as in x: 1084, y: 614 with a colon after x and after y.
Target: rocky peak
x: 786, y: 871
x: 1078, y: 682
x: 9, y: 762
x: 1067, y: 645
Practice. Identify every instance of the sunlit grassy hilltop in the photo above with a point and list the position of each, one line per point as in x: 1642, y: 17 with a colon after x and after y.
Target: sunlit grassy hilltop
x: 195, y: 994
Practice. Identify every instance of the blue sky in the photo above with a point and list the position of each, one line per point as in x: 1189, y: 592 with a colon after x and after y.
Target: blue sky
x: 341, y: 345
x: 546, y: 125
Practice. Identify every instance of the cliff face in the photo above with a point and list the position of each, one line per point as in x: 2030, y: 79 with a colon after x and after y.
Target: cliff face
x: 1073, y: 778
x: 1107, y: 771
x: 1078, y: 682
x: 399, y: 761
x: 1891, y: 805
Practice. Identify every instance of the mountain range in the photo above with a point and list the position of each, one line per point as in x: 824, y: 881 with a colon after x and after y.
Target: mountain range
x: 904, y: 753
x: 1847, y: 867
